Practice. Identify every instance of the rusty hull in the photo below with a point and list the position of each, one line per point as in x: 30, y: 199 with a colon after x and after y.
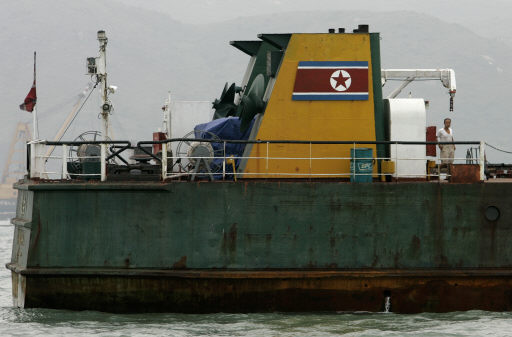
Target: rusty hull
x: 263, y: 246
x: 201, y: 291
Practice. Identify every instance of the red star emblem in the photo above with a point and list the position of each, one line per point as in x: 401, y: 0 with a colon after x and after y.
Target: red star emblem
x: 341, y: 80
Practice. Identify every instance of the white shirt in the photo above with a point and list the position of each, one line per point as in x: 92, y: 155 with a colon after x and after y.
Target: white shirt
x: 443, y: 136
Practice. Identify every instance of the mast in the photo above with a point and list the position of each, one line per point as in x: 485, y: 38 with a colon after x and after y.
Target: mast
x: 34, y: 113
x: 30, y: 103
x: 102, y: 78
x: 167, y: 117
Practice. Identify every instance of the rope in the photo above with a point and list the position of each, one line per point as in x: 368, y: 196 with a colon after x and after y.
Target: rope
x: 501, y: 150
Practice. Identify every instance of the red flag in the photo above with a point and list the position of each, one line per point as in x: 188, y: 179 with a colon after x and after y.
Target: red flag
x: 31, y: 99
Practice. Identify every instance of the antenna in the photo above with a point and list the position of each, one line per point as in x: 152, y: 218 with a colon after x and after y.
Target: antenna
x: 98, y: 66
x: 167, y: 117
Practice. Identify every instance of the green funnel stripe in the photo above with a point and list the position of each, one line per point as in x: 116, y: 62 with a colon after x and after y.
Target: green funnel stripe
x: 380, y: 122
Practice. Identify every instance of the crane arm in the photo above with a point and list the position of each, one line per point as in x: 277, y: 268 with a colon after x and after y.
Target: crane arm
x: 446, y: 76
x: 68, y: 119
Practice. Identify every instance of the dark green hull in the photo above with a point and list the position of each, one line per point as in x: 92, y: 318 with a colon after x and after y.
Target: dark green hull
x: 263, y: 246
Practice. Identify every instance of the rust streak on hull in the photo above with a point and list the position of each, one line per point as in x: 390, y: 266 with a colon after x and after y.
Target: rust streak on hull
x: 200, y: 291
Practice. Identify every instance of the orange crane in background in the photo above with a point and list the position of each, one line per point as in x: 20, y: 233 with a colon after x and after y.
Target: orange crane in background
x: 14, y: 168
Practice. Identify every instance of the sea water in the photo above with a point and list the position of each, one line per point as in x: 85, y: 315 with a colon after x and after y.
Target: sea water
x: 45, y: 322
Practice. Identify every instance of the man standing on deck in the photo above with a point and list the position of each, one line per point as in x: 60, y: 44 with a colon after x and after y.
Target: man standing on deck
x: 446, y: 135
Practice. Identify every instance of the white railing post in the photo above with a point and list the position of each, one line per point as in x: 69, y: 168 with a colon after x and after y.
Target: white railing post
x: 354, y: 162
x: 37, y: 166
x: 224, y: 163
x: 267, y: 158
x: 310, y: 160
x: 396, y: 160
x: 482, y: 161
x: 164, y: 161
x: 64, y: 161
x: 103, y: 162
x: 33, y: 165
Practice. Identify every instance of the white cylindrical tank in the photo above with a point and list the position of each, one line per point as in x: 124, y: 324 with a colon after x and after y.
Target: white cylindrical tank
x: 407, y: 122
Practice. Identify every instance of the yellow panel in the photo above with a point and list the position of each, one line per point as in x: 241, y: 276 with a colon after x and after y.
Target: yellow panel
x: 285, y: 119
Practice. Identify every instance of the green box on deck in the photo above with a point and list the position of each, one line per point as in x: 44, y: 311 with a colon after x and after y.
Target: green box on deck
x: 361, y: 165
x: 92, y: 167
x: 86, y: 170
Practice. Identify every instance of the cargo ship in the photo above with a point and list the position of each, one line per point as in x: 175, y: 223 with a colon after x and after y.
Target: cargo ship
x: 306, y: 190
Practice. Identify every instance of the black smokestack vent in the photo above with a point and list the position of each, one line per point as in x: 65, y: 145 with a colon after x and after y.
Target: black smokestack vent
x: 363, y: 29
x: 341, y: 30
x: 332, y: 30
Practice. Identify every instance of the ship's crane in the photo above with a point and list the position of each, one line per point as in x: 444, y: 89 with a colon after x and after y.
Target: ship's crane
x: 69, y: 119
x: 446, y: 76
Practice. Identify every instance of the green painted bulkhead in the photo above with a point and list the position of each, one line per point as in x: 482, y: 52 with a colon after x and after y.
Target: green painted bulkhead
x: 380, y: 118
x: 262, y: 246
x: 270, y: 225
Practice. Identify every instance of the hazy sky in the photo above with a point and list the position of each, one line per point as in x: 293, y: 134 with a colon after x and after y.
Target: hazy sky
x: 205, y: 11
x: 490, y: 18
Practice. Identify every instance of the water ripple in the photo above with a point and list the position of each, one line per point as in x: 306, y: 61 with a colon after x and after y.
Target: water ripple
x: 46, y: 322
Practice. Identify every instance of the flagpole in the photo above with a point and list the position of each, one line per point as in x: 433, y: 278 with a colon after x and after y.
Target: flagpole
x: 34, y: 113
x: 34, y: 122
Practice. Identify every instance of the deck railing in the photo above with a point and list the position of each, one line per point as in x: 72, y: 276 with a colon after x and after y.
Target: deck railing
x: 174, y: 166
x: 38, y: 163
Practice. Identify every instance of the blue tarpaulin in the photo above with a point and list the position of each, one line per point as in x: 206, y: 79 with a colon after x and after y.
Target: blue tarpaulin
x: 225, y: 128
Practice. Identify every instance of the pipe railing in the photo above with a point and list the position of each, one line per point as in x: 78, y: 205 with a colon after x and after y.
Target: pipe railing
x: 38, y: 160
x: 268, y: 158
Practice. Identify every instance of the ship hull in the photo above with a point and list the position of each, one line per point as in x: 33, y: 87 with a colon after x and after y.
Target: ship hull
x: 263, y: 246
x: 195, y: 291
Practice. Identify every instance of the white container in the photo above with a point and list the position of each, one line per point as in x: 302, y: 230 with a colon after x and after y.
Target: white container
x: 407, y: 122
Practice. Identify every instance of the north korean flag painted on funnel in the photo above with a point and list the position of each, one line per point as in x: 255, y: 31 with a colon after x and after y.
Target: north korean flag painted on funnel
x: 331, y: 81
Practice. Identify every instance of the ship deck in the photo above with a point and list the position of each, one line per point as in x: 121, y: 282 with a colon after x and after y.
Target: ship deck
x: 155, y: 182
x: 499, y: 180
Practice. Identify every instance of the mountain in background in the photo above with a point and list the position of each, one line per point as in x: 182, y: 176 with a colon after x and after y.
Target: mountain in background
x: 150, y: 53
x: 489, y: 19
